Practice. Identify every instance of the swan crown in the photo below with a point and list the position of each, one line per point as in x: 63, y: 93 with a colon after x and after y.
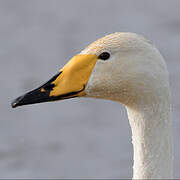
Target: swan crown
x: 117, y: 41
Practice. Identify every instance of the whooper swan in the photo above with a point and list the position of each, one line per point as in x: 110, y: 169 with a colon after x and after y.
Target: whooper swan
x: 127, y: 68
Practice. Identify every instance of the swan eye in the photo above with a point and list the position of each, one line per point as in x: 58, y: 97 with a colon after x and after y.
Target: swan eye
x: 104, y: 56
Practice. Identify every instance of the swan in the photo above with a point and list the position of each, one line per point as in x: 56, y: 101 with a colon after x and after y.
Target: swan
x: 127, y: 68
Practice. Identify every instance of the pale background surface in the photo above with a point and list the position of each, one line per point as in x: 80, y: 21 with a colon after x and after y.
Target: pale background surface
x: 77, y: 137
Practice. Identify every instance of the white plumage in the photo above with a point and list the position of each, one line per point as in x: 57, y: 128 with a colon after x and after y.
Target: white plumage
x: 136, y: 76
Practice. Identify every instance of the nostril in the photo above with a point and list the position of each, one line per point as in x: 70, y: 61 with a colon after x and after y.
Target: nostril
x: 49, y: 87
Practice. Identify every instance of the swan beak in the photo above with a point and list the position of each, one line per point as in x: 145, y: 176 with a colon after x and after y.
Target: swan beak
x: 70, y: 82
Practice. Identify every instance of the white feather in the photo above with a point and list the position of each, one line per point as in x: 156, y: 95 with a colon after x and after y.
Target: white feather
x: 136, y: 76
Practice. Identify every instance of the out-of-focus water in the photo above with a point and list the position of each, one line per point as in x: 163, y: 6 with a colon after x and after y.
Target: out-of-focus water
x: 77, y: 137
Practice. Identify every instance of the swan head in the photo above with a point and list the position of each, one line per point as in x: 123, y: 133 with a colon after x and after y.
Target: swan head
x: 134, y: 72
x: 122, y: 67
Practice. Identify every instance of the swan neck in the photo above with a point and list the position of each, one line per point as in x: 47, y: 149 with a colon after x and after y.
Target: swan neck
x: 152, y: 140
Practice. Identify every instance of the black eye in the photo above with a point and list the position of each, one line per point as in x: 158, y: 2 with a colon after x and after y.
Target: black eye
x: 104, y: 56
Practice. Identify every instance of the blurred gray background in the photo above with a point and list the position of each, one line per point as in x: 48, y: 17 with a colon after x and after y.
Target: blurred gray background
x: 77, y: 137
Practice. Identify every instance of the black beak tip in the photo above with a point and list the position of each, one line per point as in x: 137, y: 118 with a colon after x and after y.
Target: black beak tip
x: 13, y: 104
x: 16, y: 102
